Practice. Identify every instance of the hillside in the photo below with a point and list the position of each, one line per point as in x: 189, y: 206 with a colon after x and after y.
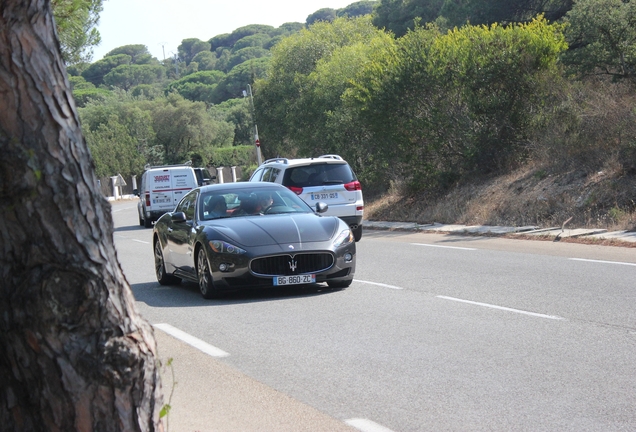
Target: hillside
x: 605, y: 199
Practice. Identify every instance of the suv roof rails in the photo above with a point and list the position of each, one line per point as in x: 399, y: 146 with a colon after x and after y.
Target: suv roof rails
x: 331, y: 156
x: 281, y: 160
x: 187, y: 163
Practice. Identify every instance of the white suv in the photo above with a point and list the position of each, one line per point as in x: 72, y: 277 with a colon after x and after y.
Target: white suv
x: 327, y: 179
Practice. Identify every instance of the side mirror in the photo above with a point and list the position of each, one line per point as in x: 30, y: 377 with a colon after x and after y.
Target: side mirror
x: 207, y: 181
x: 321, y: 207
x: 136, y: 192
x: 178, y: 217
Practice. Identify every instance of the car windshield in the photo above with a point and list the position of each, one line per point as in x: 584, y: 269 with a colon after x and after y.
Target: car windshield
x: 250, y: 202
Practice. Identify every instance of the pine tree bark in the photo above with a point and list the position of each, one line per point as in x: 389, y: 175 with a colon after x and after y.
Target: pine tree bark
x: 74, y: 352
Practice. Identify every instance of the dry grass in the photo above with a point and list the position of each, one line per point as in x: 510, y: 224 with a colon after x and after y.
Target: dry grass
x: 530, y: 196
x: 583, y: 171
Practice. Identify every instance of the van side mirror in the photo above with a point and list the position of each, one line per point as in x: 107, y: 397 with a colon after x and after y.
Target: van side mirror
x: 207, y: 181
x: 136, y: 192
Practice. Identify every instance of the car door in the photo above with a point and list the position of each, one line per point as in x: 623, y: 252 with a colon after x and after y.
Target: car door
x: 180, y: 234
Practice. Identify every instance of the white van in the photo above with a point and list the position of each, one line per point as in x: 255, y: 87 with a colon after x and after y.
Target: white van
x: 162, y: 187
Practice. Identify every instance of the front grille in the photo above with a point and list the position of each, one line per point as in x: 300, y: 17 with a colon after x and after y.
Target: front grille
x: 286, y: 265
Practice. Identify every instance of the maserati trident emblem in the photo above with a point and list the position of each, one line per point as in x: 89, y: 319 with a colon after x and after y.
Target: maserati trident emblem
x: 293, y: 265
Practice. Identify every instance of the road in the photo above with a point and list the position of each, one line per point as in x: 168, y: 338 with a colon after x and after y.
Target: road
x: 437, y: 332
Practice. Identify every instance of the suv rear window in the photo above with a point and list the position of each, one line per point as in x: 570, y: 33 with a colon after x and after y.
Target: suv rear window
x: 318, y: 174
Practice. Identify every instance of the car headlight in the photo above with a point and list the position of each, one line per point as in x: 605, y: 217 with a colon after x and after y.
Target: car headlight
x: 344, y: 238
x: 219, y: 246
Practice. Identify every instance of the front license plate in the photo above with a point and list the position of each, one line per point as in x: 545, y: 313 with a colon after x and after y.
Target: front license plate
x: 324, y: 196
x: 294, y: 280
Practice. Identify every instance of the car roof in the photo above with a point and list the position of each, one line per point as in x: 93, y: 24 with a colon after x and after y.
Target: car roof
x: 330, y: 159
x: 240, y: 186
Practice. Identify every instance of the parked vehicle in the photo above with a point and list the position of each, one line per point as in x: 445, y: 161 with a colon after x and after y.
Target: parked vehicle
x: 327, y: 178
x: 163, y: 186
x: 245, y: 235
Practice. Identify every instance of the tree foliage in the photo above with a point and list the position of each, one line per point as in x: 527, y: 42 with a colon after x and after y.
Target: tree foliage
x: 398, y: 16
x: 325, y: 14
x: 227, y: 40
x: 124, y: 133
x: 602, y: 34
x: 96, y: 71
x: 127, y: 76
x: 244, y: 54
x: 190, y: 48
x: 438, y: 101
x: 357, y: 9
x: 439, y: 105
x: 309, y: 72
x: 76, y: 22
x: 139, y: 54
x: 198, y: 86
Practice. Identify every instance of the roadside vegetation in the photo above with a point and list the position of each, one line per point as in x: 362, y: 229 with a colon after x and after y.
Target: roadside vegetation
x: 505, y: 112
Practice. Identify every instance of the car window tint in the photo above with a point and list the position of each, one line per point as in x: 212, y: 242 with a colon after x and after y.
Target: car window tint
x: 266, y: 174
x: 257, y: 175
x: 318, y: 174
x: 341, y: 173
x: 250, y: 203
x: 297, y: 176
x: 274, y: 174
x: 187, y: 205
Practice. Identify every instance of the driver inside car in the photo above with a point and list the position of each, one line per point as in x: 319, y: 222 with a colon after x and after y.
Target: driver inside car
x: 216, y: 207
x: 265, y: 201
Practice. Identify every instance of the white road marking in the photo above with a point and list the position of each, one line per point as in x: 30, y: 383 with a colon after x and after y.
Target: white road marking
x: 191, y: 340
x: 365, y: 425
x: 445, y: 247
x: 115, y: 210
x: 140, y: 241
x: 379, y: 284
x: 602, y: 262
x: 554, y: 317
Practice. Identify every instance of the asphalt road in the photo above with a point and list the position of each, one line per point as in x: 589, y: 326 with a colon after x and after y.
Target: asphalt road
x: 437, y: 332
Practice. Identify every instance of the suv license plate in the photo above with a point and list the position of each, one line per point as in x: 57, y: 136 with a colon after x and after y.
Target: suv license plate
x: 294, y: 280
x: 324, y: 196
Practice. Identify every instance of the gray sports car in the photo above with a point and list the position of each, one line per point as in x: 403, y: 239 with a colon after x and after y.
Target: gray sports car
x: 244, y: 235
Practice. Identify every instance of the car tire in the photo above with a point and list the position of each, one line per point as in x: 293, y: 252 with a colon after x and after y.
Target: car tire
x: 160, y: 268
x: 204, y: 276
x: 147, y: 223
x: 357, y: 233
x: 339, y: 284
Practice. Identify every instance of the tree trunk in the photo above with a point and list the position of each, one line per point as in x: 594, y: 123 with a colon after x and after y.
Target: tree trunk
x: 74, y: 352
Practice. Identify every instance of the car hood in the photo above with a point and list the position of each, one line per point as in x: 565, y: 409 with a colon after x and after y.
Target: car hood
x: 254, y: 231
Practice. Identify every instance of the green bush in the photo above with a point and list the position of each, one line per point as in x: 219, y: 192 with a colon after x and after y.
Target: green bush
x: 242, y: 156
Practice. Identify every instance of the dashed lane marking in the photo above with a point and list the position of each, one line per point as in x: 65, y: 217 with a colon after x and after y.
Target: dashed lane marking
x: 365, y: 425
x: 192, y: 341
x: 444, y: 247
x: 554, y: 317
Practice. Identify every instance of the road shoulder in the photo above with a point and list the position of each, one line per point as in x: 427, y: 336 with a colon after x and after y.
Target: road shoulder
x: 208, y: 395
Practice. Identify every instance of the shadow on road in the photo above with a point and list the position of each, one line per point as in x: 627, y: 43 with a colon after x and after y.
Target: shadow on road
x: 187, y: 294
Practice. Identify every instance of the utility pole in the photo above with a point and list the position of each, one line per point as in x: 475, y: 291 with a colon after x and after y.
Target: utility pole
x: 176, y: 65
x: 257, y: 142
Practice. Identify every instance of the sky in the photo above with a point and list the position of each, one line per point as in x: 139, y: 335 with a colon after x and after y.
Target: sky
x: 161, y: 25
